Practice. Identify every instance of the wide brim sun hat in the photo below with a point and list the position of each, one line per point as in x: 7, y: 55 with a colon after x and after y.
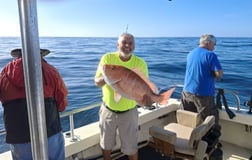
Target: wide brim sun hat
x: 18, y: 52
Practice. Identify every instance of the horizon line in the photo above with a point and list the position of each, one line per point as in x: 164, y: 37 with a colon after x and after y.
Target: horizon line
x: 134, y: 36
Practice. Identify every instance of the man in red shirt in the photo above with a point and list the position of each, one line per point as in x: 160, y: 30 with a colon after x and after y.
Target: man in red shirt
x: 13, y: 98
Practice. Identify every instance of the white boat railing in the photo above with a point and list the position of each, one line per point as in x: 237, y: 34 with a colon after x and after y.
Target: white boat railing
x: 2, y: 132
x: 70, y: 114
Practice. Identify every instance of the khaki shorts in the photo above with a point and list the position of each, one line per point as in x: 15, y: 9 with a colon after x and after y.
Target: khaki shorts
x: 125, y: 123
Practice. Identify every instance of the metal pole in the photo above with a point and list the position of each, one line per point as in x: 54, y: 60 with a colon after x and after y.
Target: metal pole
x: 33, y: 77
x: 71, y: 121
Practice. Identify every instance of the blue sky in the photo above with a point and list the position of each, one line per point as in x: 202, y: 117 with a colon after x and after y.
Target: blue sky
x: 145, y: 18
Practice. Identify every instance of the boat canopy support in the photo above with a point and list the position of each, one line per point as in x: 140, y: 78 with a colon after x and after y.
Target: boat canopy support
x: 33, y: 77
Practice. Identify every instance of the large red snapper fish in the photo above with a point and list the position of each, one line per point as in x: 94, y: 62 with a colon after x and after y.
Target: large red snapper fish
x: 132, y: 84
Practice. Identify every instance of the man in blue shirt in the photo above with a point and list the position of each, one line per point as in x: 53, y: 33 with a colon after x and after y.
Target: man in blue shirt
x: 202, y: 68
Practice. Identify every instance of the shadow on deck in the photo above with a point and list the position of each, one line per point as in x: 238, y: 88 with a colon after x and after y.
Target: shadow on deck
x: 148, y: 153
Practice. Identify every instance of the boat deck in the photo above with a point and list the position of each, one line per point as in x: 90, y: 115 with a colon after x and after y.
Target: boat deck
x: 230, y: 152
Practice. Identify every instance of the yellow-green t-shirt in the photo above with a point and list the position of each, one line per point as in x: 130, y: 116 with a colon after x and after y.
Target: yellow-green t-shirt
x: 107, y: 91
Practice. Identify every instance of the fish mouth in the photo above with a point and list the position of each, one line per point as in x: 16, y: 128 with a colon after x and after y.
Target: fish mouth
x: 109, y: 81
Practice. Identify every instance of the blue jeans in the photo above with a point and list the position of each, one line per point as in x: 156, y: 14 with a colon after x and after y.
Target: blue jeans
x: 56, y: 149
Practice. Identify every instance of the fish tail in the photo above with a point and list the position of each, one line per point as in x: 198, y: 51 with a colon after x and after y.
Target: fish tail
x: 166, y: 95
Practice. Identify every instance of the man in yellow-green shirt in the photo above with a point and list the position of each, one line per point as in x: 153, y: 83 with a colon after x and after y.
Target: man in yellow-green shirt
x: 120, y: 115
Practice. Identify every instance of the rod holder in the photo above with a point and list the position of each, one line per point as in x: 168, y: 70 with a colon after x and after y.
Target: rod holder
x: 249, y: 104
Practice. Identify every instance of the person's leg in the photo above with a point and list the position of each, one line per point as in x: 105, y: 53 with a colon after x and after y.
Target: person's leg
x: 21, y: 151
x: 106, y: 154
x: 108, y: 126
x: 213, y: 109
x: 133, y: 157
x: 187, y: 102
x: 205, y: 106
x: 128, y: 133
x: 56, y: 147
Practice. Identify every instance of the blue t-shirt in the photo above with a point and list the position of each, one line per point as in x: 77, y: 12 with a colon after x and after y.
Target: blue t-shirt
x: 200, y: 68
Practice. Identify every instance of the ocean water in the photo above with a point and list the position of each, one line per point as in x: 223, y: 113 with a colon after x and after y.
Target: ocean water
x: 77, y: 59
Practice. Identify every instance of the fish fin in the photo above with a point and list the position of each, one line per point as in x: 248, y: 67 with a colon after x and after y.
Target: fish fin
x: 152, y: 86
x: 143, y: 76
x: 117, y: 97
x: 147, y: 101
x: 166, y: 95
